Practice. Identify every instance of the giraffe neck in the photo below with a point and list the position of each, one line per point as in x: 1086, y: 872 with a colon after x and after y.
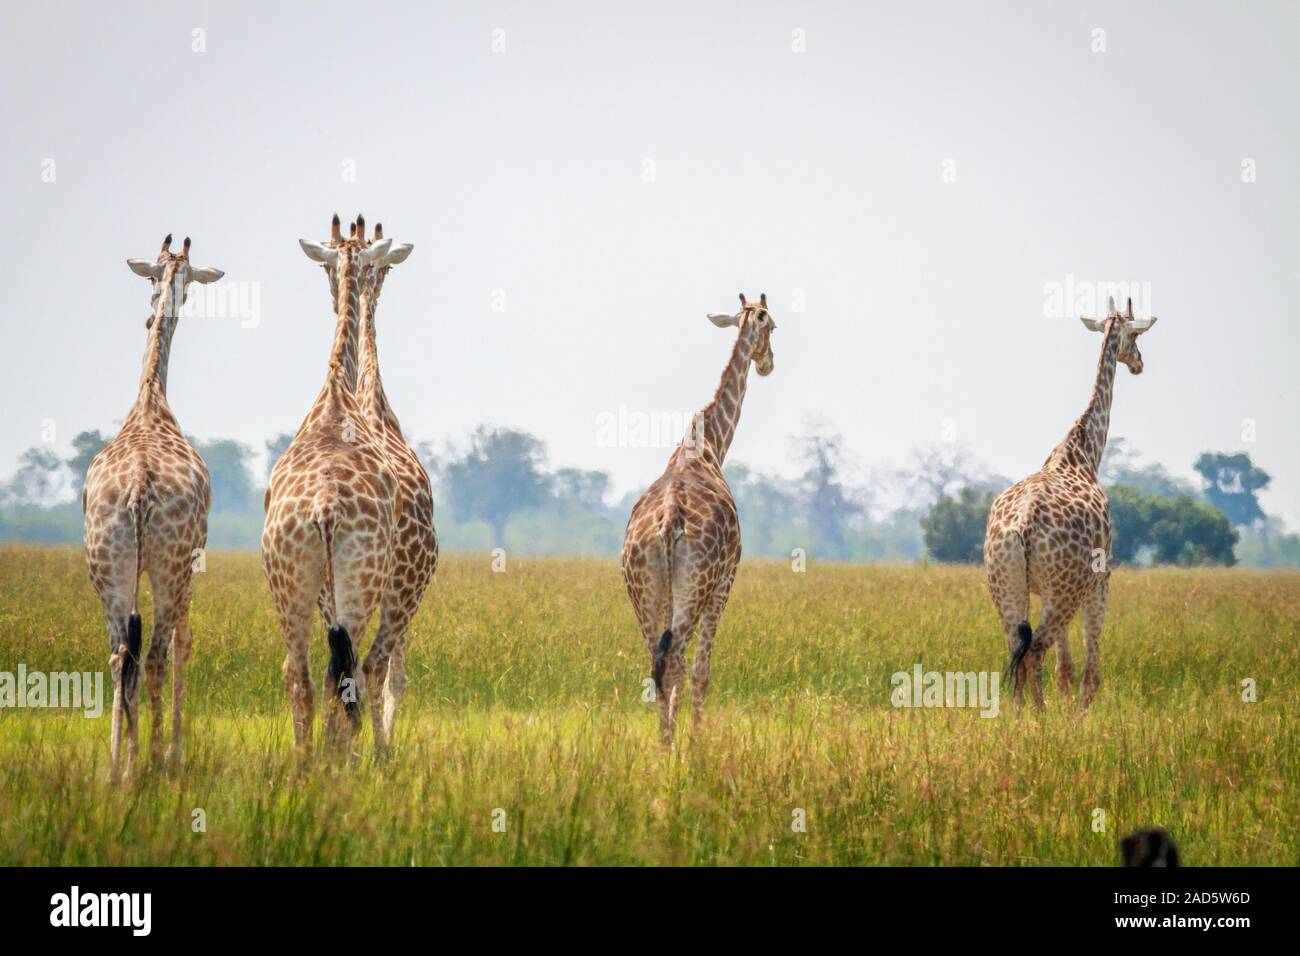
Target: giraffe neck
x: 1084, y: 445
x: 721, y: 416
x: 158, y: 347
x: 345, y: 282
x: 370, y: 387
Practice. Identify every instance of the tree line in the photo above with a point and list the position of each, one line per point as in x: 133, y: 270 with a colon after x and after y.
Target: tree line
x: 497, y: 489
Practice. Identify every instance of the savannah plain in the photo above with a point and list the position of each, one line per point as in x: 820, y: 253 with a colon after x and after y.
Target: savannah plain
x: 523, y: 737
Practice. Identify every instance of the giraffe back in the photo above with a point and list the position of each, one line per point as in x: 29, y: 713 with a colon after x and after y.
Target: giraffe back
x: 151, y: 473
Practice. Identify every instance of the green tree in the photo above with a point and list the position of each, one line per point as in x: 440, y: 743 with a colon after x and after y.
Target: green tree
x: 1177, y: 530
x: 1190, y: 532
x: 1232, y: 485
x: 499, y: 475
x: 954, y: 527
x: 1130, y: 522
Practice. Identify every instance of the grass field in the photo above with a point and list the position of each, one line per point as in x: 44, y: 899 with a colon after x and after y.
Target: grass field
x: 525, y: 697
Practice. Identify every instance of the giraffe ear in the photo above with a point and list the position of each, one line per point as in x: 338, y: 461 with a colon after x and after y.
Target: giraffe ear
x: 376, y: 252
x: 145, y: 268
x: 317, y: 252
x: 1091, y: 324
x: 1140, y: 325
x: 205, y: 274
x: 398, y: 254
x: 722, y: 320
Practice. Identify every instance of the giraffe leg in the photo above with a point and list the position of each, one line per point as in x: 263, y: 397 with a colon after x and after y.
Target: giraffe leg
x: 117, y: 610
x: 1094, y: 615
x: 164, y: 625
x: 294, y: 610
x: 359, y: 583
x: 298, y: 686
x: 390, y: 670
x: 674, y: 677
x: 1034, y: 676
x: 1053, y: 622
x: 375, y: 670
x: 169, y: 577
x: 1064, y: 665
x: 1008, y: 586
x: 703, y: 654
x: 394, y: 684
x: 417, y: 577
x: 183, y: 643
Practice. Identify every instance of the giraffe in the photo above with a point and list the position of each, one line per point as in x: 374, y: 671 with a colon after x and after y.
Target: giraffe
x: 683, y: 537
x: 1050, y: 535
x: 331, y: 506
x: 416, y: 543
x: 145, y: 501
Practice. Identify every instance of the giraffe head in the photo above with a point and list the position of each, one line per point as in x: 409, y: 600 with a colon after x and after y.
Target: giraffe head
x: 351, y: 256
x: 1129, y: 330
x: 754, y: 321
x: 170, y: 274
x: 396, y: 254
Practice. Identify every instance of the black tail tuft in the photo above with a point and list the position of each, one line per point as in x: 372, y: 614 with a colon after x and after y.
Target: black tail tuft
x: 661, y: 659
x: 131, y: 661
x: 1025, y: 635
x: 342, y: 666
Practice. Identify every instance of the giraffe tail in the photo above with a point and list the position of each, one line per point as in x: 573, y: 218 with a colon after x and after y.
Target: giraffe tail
x: 342, y: 668
x: 134, y: 626
x: 1024, y: 638
x: 661, y: 659
x: 131, y: 659
x: 341, y: 671
x: 668, y: 532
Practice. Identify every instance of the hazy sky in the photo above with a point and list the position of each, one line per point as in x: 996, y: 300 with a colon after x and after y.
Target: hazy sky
x: 913, y: 186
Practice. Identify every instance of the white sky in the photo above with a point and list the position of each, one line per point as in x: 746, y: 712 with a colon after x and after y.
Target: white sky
x: 813, y: 175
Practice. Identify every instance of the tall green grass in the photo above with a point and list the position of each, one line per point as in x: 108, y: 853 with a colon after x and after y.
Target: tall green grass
x: 523, y: 738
